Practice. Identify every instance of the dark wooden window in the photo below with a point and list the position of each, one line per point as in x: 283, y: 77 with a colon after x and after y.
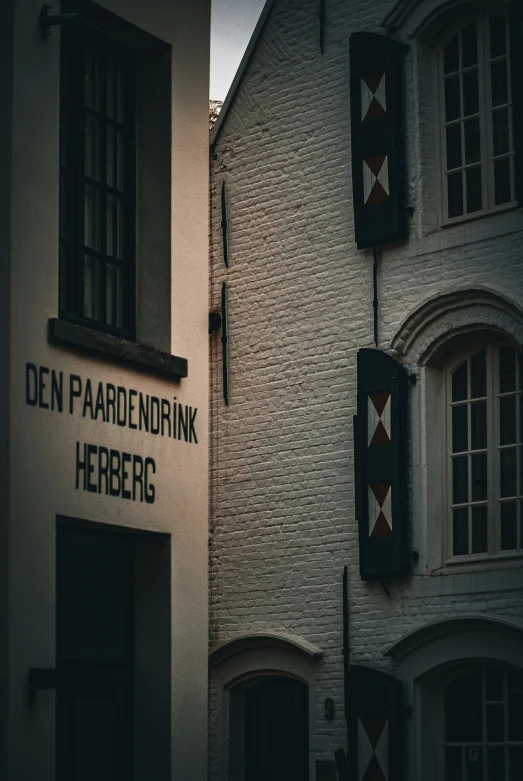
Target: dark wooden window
x: 97, y: 183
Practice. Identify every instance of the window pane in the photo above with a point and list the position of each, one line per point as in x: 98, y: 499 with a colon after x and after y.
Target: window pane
x: 515, y: 763
x: 91, y: 287
x: 114, y: 295
x: 459, y: 429
x: 478, y: 375
x: 470, y: 93
x: 478, y: 425
x: 494, y: 684
x: 92, y: 218
x: 453, y: 146
x: 113, y: 88
x: 507, y: 464
x: 474, y: 763
x: 479, y: 477
x: 463, y: 709
x: 500, y: 134
x: 451, y: 56
x: 459, y: 383
x: 92, y: 148
x: 472, y: 141
x: 495, y: 763
x: 498, y: 43
x: 507, y: 420
x: 460, y: 491
x: 452, y: 102
x: 495, y: 715
x: 498, y: 73
x: 455, y: 195
x: 507, y: 369
x: 469, y: 46
x: 474, y: 200
x: 502, y: 193
x: 509, y: 529
x: 460, y: 532
x: 92, y: 82
x: 479, y: 529
x: 453, y: 764
x: 114, y: 226
x: 515, y: 705
x: 114, y: 158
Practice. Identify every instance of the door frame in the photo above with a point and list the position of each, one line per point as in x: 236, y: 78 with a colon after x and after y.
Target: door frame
x: 260, y: 656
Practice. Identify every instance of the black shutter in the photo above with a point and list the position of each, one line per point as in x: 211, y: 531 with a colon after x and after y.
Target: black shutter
x: 376, y: 726
x: 381, y: 466
x: 516, y: 66
x: 376, y: 83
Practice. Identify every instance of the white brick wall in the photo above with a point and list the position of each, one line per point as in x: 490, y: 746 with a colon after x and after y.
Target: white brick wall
x: 300, y: 306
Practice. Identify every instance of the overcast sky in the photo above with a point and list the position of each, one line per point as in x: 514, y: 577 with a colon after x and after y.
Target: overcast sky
x: 232, y: 24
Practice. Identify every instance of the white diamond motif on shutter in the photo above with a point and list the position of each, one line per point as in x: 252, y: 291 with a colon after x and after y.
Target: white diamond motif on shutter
x: 373, y: 735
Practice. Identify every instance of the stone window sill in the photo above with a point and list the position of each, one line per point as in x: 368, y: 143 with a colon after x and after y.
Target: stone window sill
x: 115, y: 349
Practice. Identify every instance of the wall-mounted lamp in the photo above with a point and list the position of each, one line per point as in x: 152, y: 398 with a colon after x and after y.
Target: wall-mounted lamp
x: 47, y: 20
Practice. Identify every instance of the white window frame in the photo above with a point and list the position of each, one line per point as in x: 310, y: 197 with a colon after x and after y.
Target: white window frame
x: 494, y: 551
x: 450, y: 677
x: 485, y: 110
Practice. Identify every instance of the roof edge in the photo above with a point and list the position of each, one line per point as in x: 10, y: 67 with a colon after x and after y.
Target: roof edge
x: 215, y: 132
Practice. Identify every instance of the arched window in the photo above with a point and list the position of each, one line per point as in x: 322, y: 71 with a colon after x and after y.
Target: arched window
x: 477, y: 147
x: 483, y: 724
x: 484, y: 447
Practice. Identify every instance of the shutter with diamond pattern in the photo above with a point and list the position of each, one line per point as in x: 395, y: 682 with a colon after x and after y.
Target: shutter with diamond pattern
x: 376, y: 717
x: 381, y: 466
x: 377, y: 139
x: 516, y: 67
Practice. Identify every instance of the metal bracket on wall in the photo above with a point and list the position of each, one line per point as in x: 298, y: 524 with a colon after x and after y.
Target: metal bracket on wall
x: 224, y: 227
x: 224, y: 345
x: 215, y: 321
x: 47, y: 20
x: 321, y: 15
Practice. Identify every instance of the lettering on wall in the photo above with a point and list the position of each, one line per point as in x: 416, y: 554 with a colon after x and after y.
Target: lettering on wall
x: 105, y: 470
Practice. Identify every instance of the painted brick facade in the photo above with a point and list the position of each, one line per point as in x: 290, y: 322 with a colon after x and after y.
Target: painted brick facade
x: 299, y: 308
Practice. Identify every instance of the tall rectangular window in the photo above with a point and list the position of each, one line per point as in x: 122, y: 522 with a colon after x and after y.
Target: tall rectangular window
x: 475, y: 95
x: 486, y: 490
x: 97, y: 183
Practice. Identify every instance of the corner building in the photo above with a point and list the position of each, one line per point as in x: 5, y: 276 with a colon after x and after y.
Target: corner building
x: 104, y: 355
x: 366, y: 197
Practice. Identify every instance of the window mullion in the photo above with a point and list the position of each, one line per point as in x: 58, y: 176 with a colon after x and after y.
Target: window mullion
x: 493, y: 522
x: 103, y: 194
x: 484, y: 114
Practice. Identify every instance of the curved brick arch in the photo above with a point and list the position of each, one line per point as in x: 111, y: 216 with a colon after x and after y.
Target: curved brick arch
x: 444, y: 317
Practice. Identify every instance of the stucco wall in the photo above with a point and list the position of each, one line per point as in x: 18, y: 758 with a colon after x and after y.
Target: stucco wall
x: 299, y: 307
x: 43, y: 441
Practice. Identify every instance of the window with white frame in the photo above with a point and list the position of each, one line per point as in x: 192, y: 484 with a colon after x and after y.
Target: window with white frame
x: 477, y: 149
x: 483, y: 732
x: 484, y: 445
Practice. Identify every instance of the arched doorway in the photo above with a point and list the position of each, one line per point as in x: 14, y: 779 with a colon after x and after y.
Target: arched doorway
x: 270, y: 729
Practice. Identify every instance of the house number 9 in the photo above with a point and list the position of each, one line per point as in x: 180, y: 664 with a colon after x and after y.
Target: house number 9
x: 328, y: 709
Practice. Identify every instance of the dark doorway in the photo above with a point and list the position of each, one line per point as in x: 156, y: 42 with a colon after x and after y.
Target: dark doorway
x: 95, y: 654
x: 276, y: 730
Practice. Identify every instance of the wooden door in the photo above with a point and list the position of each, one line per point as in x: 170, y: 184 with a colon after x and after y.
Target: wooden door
x: 95, y: 655
x: 276, y: 730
